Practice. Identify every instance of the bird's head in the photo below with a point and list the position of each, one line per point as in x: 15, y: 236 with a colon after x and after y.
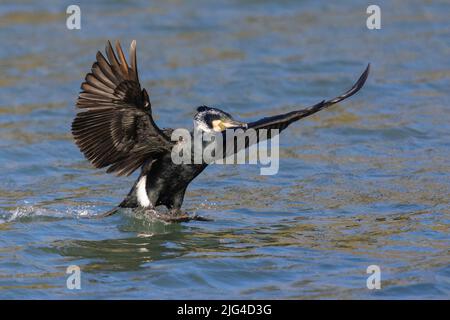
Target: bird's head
x: 215, y: 120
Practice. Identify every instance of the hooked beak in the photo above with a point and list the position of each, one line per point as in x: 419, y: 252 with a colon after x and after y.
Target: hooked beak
x: 221, y: 125
x: 229, y: 124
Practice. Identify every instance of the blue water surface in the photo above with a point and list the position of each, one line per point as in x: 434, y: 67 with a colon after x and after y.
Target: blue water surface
x: 363, y: 183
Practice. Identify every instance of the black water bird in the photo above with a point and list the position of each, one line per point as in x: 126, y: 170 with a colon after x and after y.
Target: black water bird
x: 115, y: 129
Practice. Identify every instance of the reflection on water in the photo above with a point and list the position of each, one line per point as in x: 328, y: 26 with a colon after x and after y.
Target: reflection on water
x: 363, y: 183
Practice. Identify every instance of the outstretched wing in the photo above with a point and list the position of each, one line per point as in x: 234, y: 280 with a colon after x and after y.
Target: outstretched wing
x: 252, y: 134
x: 281, y: 122
x: 115, y: 128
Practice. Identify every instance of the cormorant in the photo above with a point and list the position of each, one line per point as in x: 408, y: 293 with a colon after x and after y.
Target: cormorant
x: 115, y: 129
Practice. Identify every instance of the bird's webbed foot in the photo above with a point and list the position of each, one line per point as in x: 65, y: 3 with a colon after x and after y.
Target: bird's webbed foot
x: 177, y: 215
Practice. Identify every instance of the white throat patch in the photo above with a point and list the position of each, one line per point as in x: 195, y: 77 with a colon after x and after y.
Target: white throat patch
x: 142, y: 196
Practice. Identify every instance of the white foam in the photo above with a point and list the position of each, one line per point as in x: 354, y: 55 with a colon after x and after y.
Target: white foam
x: 30, y: 211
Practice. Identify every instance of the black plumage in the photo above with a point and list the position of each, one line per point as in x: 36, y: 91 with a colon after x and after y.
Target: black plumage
x: 115, y: 130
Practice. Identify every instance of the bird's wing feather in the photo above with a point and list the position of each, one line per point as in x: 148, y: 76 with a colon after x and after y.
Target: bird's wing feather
x: 280, y: 122
x: 115, y: 128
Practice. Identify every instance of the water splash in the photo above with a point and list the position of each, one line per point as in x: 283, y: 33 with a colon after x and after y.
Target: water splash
x: 29, y: 212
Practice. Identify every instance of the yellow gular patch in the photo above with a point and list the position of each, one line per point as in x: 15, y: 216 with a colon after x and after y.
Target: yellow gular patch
x: 218, y: 125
